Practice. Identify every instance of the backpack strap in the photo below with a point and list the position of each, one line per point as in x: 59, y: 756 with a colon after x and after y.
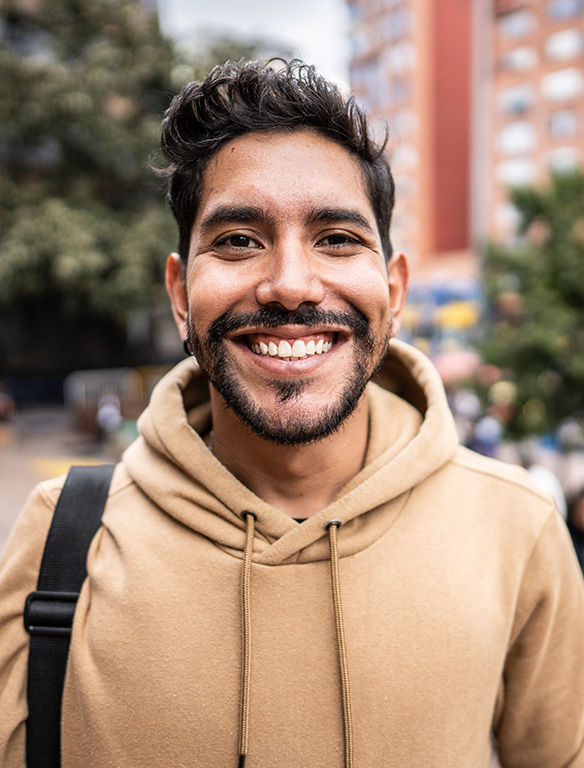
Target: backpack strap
x: 48, y: 613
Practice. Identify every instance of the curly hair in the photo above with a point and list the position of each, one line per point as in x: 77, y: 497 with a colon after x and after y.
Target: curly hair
x: 259, y: 97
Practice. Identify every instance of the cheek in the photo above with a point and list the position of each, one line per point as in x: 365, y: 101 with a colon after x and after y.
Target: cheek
x: 369, y: 292
x: 211, y: 292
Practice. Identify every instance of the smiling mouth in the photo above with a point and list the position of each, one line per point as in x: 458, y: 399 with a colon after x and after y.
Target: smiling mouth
x: 290, y: 348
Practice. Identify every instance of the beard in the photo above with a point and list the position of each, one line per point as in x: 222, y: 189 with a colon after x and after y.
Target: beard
x: 297, y: 425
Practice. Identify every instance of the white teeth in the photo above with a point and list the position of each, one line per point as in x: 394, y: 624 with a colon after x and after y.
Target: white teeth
x: 299, y: 348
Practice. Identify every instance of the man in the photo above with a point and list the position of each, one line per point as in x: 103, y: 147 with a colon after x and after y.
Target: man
x: 402, y: 599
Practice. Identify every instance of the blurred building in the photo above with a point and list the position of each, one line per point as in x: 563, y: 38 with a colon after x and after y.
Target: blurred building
x: 537, y: 106
x: 480, y: 95
x: 411, y: 64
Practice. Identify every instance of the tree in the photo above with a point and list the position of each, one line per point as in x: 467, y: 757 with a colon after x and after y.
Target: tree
x: 82, y: 88
x: 535, y: 295
x: 84, y: 228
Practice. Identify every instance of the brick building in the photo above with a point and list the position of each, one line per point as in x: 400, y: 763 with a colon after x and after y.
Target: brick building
x: 537, y: 99
x: 411, y: 65
x: 480, y: 95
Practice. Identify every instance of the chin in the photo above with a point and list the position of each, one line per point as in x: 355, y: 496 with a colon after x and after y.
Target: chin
x: 290, y: 422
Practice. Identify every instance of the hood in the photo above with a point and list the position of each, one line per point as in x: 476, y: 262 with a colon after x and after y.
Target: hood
x: 411, y: 435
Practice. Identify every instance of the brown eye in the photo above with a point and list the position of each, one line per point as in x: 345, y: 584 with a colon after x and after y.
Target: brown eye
x: 339, y: 239
x: 239, y: 241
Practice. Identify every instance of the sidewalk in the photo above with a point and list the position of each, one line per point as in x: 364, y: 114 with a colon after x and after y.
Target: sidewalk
x: 40, y: 443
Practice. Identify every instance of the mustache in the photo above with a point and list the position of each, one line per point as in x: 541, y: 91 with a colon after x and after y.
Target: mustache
x: 272, y: 317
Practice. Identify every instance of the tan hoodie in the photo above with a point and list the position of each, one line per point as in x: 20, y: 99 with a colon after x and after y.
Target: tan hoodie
x: 462, y: 598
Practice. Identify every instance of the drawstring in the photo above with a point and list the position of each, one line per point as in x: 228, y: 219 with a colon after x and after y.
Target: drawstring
x: 332, y: 528
x: 250, y: 519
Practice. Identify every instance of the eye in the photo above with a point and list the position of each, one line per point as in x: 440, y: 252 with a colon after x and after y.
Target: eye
x: 340, y: 242
x: 338, y: 239
x: 240, y: 242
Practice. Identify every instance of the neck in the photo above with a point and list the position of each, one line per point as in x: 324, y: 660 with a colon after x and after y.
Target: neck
x: 298, y: 480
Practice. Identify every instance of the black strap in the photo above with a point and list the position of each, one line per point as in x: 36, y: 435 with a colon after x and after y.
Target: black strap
x: 49, y: 611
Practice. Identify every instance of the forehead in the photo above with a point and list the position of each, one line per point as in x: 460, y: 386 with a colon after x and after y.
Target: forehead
x: 286, y: 172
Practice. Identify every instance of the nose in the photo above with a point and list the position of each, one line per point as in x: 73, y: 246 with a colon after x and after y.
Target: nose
x: 291, y: 278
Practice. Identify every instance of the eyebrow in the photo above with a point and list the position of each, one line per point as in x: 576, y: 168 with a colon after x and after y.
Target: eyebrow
x: 339, y: 216
x: 249, y: 214
x: 233, y: 214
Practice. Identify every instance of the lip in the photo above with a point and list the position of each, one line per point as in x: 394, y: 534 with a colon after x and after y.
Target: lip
x: 290, y: 332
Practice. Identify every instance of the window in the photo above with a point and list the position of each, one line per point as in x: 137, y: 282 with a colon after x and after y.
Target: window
x: 400, y: 23
x: 564, y: 9
x: 563, y: 84
x: 563, y: 124
x: 514, y: 173
x: 517, y: 100
x: 519, y: 59
x: 399, y: 91
x: 385, y: 28
x: 507, y: 216
x: 406, y: 186
x: 368, y: 84
x: 397, y: 24
x: 563, y: 160
x: 406, y: 157
x: 359, y: 42
x: 565, y: 44
x: 516, y: 24
x: 405, y: 122
x: 401, y: 56
x: 517, y: 138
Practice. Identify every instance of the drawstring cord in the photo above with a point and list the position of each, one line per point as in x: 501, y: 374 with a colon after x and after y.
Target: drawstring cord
x: 332, y: 528
x: 250, y: 519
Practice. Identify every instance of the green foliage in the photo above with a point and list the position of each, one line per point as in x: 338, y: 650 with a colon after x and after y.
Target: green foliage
x: 84, y: 226
x: 535, y: 292
x: 84, y: 257
x: 83, y: 86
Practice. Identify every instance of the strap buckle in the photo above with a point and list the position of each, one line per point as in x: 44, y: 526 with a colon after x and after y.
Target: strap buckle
x: 50, y: 613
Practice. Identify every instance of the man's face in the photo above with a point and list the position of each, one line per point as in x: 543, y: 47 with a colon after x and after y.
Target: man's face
x: 287, y: 300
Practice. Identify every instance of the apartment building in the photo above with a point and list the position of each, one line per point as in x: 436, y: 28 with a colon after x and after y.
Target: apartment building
x: 411, y: 65
x: 537, y: 103
x: 480, y: 96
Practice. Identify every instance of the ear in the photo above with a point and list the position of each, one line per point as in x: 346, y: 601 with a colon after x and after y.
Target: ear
x: 175, y: 286
x: 399, y: 281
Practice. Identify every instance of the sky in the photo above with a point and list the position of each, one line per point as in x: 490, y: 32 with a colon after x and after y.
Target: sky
x: 316, y: 29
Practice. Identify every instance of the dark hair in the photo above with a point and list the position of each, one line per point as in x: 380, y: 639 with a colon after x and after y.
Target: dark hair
x: 256, y: 96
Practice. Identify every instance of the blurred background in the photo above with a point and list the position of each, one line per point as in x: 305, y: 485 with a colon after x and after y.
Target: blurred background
x: 484, y: 100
